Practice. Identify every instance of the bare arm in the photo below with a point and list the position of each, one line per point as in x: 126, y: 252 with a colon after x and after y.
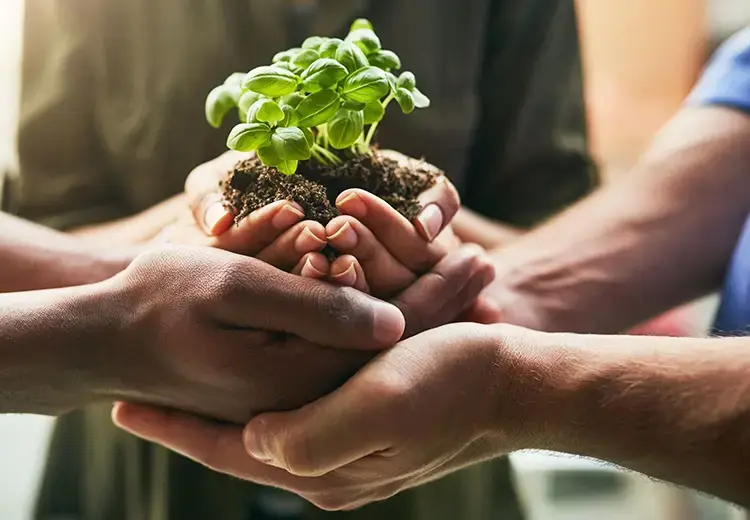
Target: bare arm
x: 647, y: 242
x: 675, y: 409
x: 34, y: 257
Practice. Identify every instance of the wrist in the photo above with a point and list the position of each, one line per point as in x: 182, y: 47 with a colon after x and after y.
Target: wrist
x: 534, y: 394
x: 52, y: 349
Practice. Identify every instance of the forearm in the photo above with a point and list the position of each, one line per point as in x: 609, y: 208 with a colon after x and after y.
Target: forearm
x: 53, y: 345
x: 472, y: 228
x: 656, y: 238
x: 674, y: 409
x: 137, y: 229
x: 34, y: 257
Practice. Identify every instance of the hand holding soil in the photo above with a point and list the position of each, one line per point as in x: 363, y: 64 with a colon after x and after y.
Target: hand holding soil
x: 309, y: 121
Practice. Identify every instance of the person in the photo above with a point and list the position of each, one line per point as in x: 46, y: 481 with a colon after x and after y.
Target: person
x: 126, y: 82
x: 193, y: 328
x: 674, y: 408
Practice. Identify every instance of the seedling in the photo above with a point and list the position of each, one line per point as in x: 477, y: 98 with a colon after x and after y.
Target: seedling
x: 327, y: 95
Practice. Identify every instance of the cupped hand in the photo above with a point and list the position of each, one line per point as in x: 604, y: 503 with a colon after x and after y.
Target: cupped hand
x: 382, y: 251
x: 429, y: 406
x: 276, y: 234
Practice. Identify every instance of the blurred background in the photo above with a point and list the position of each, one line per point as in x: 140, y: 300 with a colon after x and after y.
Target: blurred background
x: 641, y: 58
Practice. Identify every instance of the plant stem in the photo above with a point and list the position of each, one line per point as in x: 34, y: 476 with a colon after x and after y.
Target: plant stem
x: 374, y: 126
x: 324, y: 156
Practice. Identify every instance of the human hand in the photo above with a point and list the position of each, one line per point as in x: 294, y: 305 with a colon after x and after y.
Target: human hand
x: 276, y: 234
x: 212, y: 332
x: 435, y: 403
x: 383, y: 252
x: 227, y: 336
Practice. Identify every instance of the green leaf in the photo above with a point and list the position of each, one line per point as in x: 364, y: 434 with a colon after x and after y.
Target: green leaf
x: 284, y: 65
x: 405, y: 100
x: 407, y: 80
x: 345, y: 128
x: 385, y: 60
x: 361, y: 23
x: 323, y: 73
x: 267, y: 111
x: 392, y: 81
x: 235, y: 80
x: 218, y: 104
x: 309, y: 136
x: 373, y: 112
x: 316, y: 109
x: 305, y: 58
x: 287, y: 167
x: 248, y: 137
x: 313, y: 42
x: 328, y: 49
x: 293, y: 100
x: 365, y: 39
x: 290, y: 116
x: 268, y: 156
x: 290, y: 144
x: 365, y: 85
x: 353, y: 105
x: 351, y: 57
x: 270, y: 81
x: 281, y: 57
x: 420, y: 100
x: 247, y: 100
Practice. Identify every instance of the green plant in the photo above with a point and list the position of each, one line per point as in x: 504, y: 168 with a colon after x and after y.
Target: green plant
x: 329, y: 94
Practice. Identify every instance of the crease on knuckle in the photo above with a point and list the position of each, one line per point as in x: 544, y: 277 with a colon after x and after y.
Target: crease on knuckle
x: 294, y: 449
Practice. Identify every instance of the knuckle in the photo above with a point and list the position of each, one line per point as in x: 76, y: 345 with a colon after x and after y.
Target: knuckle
x: 295, y: 450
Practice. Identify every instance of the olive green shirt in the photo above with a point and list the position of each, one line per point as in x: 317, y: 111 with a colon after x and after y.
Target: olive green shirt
x: 111, y: 122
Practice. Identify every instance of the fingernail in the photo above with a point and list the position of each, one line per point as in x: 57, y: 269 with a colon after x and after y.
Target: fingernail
x: 287, y: 216
x: 310, y: 271
x: 430, y: 220
x: 345, y: 238
x: 348, y: 278
x: 255, y: 447
x: 352, y: 205
x: 214, y: 214
x: 389, y: 324
x: 307, y: 242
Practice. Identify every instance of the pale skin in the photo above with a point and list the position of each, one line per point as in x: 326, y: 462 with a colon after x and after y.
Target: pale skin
x: 676, y: 409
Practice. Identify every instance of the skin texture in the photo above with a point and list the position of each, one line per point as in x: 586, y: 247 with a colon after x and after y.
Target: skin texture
x: 211, y: 296
x: 208, y: 331
x: 675, y: 408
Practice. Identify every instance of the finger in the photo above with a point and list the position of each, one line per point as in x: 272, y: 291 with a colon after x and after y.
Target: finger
x: 424, y: 302
x: 286, y: 251
x: 204, y: 193
x: 312, y: 265
x: 254, y: 294
x: 386, y: 276
x: 321, y: 437
x: 439, y: 204
x: 347, y: 272
x: 216, y: 446
x: 392, y: 229
x: 484, y: 310
x: 260, y: 228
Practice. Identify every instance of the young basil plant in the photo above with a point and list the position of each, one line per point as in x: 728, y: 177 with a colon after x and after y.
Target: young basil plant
x: 321, y: 100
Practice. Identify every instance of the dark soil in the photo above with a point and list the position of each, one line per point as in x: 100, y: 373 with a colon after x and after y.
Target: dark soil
x: 315, y: 187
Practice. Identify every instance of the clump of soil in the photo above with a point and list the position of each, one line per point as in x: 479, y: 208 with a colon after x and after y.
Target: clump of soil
x: 315, y: 187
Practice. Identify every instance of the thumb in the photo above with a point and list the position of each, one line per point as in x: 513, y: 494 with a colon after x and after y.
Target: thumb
x: 321, y: 437
x: 203, y: 190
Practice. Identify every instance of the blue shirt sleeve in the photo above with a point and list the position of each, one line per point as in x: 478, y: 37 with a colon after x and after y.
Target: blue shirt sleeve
x: 726, y: 80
